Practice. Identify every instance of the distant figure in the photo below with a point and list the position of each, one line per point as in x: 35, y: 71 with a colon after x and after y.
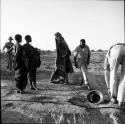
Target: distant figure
x: 10, y: 51
x: 82, y: 59
x: 32, y: 61
x: 19, y: 66
x: 63, y: 64
x: 114, y: 58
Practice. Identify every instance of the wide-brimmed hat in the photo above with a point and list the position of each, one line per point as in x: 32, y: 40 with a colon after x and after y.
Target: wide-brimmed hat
x: 10, y: 38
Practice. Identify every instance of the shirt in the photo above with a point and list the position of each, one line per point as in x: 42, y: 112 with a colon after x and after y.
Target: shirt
x: 82, y: 54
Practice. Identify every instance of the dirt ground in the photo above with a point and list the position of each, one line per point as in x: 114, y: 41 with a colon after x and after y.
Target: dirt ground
x: 58, y: 103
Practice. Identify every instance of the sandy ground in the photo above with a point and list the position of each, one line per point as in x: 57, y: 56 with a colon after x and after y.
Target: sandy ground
x: 58, y: 103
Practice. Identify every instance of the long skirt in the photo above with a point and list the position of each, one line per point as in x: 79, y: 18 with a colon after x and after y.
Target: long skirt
x: 62, y: 67
x: 21, y: 78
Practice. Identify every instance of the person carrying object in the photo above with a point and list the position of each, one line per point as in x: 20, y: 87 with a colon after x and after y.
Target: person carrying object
x: 81, y: 59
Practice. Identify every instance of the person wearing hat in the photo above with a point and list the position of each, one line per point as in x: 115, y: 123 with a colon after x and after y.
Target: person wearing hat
x: 81, y: 59
x: 9, y: 48
x: 115, y: 58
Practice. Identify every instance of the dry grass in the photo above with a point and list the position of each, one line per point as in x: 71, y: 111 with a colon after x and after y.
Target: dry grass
x: 48, y: 62
x: 57, y: 103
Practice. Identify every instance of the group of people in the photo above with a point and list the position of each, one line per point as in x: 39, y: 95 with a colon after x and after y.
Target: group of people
x: 63, y: 65
x: 26, y: 64
x: 26, y: 60
x: 114, y: 58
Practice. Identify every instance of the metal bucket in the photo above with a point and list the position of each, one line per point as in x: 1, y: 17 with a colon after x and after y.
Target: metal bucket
x: 95, y: 96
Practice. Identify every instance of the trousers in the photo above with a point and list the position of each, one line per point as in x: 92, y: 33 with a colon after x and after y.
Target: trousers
x: 84, y: 71
x: 115, y: 59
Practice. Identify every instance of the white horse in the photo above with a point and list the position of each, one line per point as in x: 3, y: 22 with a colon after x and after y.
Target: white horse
x: 114, y: 58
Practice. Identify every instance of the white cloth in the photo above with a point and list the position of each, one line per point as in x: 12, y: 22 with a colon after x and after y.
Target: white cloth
x: 115, y: 58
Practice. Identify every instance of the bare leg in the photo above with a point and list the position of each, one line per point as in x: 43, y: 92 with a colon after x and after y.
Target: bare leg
x: 34, y: 82
x: 66, y: 78
x: 31, y: 84
x: 8, y: 61
x: 84, y: 74
x: 31, y: 81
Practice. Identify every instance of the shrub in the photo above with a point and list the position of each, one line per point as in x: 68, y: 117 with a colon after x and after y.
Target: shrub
x: 99, y: 50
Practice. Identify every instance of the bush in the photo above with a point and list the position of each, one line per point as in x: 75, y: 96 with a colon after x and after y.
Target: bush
x: 99, y: 50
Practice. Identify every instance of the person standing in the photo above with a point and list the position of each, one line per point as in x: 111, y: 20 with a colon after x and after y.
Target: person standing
x: 32, y: 61
x: 19, y: 66
x: 81, y: 59
x: 10, y: 51
x: 63, y: 64
x: 114, y: 58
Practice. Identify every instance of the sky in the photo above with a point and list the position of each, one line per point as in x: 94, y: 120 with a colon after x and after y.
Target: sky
x: 99, y: 22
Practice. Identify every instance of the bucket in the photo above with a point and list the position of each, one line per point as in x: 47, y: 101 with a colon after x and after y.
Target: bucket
x: 95, y: 96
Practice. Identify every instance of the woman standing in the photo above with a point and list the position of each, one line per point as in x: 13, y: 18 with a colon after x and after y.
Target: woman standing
x: 63, y: 64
